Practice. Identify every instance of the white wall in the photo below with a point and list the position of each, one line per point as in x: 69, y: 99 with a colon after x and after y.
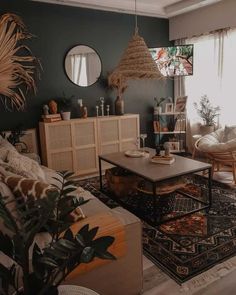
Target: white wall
x: 203, y: 20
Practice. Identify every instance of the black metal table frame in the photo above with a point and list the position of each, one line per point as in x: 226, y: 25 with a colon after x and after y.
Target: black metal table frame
x: 207, y: 205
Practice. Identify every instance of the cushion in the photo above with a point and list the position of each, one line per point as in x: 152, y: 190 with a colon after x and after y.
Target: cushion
x: 229, y: 133
x: 27, y: 187
x: 5, y: 146
x: 34, y: 189
x: 6, y: 192
x: 214, y: 142
x: 24, y: 166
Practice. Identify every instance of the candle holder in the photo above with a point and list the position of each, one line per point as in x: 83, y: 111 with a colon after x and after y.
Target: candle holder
x: 108, y: 109
x: 97, y: 110
x: 102, y: 106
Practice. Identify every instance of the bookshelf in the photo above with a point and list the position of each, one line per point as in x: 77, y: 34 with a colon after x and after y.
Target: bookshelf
x: 171, y: 127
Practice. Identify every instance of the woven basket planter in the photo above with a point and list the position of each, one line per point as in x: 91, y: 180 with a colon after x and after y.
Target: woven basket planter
x: 121, y: 182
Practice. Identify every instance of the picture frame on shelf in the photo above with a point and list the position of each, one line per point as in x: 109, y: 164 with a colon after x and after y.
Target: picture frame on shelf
x: 180, y: 104
x: 174, y: 146
x: 169, y: 108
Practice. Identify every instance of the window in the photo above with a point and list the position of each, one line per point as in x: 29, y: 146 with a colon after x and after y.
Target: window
x: 214, y: 74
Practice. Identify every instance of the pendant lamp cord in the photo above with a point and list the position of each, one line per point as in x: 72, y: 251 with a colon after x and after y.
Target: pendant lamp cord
x: 136, y: 18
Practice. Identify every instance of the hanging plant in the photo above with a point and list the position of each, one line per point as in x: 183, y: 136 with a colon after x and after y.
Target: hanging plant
x: 18, y: 67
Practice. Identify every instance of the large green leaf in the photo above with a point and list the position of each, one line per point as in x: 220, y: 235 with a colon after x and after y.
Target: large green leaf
x: 101, y: 244
x: 87, y: 255
x: 6, y: 245
x: 68, y: 190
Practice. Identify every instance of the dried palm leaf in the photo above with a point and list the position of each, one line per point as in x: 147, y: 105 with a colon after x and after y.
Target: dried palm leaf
x: 18, y: 67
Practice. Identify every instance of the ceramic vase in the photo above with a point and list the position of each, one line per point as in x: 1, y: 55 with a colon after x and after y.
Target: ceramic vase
x: 119, y: 106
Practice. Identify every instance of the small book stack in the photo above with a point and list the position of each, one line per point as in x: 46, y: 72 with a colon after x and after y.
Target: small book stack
x: 51, y: 118
x: 167, y: 160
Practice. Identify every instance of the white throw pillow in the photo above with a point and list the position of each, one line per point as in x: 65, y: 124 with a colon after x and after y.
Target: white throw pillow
x: 5, y: 146
x: 24, y: 166
x: 229, y: 133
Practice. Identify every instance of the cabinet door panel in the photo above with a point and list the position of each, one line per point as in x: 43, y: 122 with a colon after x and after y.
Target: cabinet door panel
x: 109, y: 130
x: 86, y: 160
x: 128, y: 145
x: 62, y: 161
x: 84, y: 133
x: 109, y: 148
x: 59, y: 136
x: 129, y: 128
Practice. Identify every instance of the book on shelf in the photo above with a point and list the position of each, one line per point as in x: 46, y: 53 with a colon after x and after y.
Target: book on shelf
x: 50, y: 120
x: 166, y: 160
x: 51, y: 116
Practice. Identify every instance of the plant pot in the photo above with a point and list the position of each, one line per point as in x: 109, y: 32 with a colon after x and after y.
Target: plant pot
x: 65, y: 116
x: 157, y: 110
x: 206, y: 129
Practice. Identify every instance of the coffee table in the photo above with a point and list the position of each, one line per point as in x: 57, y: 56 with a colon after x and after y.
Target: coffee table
x: 155, y: 173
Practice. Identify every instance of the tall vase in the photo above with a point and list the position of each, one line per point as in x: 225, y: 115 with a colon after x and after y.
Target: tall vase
x: 119, y: 106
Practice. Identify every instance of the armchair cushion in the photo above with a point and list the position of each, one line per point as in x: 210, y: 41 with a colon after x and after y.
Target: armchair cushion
x: 214, y: 142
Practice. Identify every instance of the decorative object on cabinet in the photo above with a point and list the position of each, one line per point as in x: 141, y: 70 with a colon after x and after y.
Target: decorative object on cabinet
x: 52, y: 107
x: 97, y: 111
x: 51, y: 118
x: 119, y: 106
x: 19, y: 68
x: 83, y: 65
x: 102, y: 100
x: 75, y: 145
x: 108, y: 109
x: 45, y: 109
x: 65, y: 116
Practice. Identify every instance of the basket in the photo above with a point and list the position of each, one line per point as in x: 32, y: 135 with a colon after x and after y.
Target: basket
x: 121, y: 182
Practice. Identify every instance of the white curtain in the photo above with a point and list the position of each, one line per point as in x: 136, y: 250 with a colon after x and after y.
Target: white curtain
x: 213, y: 74
x: 79, y: 69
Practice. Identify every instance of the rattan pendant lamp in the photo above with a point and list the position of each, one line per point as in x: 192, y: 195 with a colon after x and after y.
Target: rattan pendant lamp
x: 136, y: 63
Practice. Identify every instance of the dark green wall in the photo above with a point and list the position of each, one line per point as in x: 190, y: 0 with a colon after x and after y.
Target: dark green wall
x: 58, y: 28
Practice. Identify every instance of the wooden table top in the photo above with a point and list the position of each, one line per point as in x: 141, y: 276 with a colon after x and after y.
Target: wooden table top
x: 152, y: 171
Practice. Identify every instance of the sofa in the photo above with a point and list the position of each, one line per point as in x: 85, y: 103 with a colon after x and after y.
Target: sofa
x: 116, y: 277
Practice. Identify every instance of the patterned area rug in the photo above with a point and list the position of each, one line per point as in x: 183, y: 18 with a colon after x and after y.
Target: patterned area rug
x: 189, y: 245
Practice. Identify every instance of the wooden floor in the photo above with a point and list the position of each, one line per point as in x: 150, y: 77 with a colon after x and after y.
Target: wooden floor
x: 157, y: 282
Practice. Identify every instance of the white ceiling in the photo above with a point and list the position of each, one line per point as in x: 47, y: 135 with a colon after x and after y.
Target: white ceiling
x: 156, y: 8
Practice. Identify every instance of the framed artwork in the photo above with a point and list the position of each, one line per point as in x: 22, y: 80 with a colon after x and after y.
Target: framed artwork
x: 180, y: 104
x: 174, y: 146
x: 169, y: 108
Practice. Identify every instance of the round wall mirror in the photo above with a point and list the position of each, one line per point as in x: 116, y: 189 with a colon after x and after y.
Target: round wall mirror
x: 83, y: 65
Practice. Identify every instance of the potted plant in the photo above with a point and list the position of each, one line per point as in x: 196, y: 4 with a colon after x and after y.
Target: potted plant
x: 158, y: 108
x: 48, y: 267
x: 208, y: 113
x: 65, y: 105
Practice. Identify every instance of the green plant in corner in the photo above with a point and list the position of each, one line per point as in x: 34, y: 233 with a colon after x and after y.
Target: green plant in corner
x: 206, y: 111
x: 65, y: 252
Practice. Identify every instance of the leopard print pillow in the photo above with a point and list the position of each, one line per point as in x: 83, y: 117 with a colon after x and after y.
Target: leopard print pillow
x: 31, y: 189
x: 28, y: 188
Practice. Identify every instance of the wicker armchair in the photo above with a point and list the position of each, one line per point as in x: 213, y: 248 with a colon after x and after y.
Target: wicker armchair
x: 220, y: 151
